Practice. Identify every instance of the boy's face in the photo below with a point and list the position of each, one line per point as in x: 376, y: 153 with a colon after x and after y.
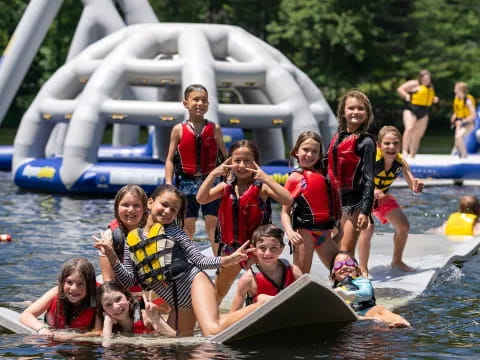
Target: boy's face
x: 268, y: 249
x: 196, y: 104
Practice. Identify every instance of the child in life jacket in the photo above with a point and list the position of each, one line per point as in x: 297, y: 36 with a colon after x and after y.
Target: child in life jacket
x: 388, y: 165
x: 69, y: 305
x: 245, y: 203
x: 162, y: 258
x: 351, y: 162
x: 463, y: 116
x: 121, y: 312
x: 195, y: 147
x: 358, y: 291
x: 463, y: 222
x: 315, y: 212
x: 269, y: 275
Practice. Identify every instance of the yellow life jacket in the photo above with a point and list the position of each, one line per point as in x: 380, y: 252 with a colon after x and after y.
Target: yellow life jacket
x: 384, y: 178
x: 460, y: 224
x: 423, y: 96
x: 460, y: 107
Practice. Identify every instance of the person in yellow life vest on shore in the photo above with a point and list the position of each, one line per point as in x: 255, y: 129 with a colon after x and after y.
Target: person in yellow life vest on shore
x: 463, y: 117
x: 465, y: 220
x: 419, y: 95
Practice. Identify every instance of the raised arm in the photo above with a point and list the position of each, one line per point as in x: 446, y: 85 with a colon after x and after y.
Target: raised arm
x: 272, y: 188
x: 206, y: 193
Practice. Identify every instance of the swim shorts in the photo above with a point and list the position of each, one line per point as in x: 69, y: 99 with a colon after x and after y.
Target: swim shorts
x: 383, y: 208
x: 319, y: 236
x: 190, y: 188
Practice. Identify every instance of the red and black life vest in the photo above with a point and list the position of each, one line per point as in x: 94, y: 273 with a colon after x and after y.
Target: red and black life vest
x: 238, y: 217
x: 344, y: 164
x: 55, y: 317
x: 266, y: 285
x: 197, y: 153
x: 316, y: 201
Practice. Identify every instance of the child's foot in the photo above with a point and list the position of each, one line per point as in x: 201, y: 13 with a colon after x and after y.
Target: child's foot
x: 402, y: 266
x: 399, y: 324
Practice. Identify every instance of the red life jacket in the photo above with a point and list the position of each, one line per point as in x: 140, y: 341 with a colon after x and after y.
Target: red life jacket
x: 316, y: 201
x: 239, y: 217
x: 55, y: 317
x: 140, y: 328
x: 118, y: 238
x: 197, y: 153
x: 267, y: 286
x: 343, y: 160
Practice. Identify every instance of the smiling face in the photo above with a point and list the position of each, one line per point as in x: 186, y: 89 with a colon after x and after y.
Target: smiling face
x: 75, y: 288
x: 345, y: 270
x: 130, y: 211
x: 243, y: 159
x: 164, y: 208
x: 267, y: 250
x: 196, y: 104
x: 116, y: 305
x: 308, y: 153
x: 355, y: 113
x: 390, y: 146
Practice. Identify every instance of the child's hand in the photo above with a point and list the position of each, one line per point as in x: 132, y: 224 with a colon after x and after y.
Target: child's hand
x: 362, y: 222
x: 259, y: 174
x: 103, y: 243
x: 150, y: 307
x: 241, y: 254
x: 294, y: 237
x: 379, y: 194
x: 222, y: 169
x: 107, y: 320
x: 417, y: 186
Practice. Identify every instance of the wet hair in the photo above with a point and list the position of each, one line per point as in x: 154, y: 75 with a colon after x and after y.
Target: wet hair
x: 308, y: 135
x: 194, y: 87
x: 183, y: 201
x: 86, y: 270
x: 422, y: 73
x: 388, y: 129
x: 462, y: 86
x: 138, y: 193
x: 332, y: 263
x: 469, y: 205
x: 267, y: 230
x: 342, y: 121
x: 110, y: 286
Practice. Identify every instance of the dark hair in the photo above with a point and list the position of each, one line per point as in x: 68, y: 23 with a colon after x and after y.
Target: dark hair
x: 267, y: 230
x: 87, y: 272
x: 137, y: 192
x: 342, y: 121
x: 110, y: 286
x: 308, y: 135
x: 469, y: 205
x: 194, y: 87
x: 183, y: 201
x: 250, y: 145
x: 332, y: 263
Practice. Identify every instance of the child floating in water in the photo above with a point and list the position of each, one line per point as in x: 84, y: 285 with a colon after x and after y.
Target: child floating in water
x: 358, y: 291
x: 463, y: 222
x: 270, y: 275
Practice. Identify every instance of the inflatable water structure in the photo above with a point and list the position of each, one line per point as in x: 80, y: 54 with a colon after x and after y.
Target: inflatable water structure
x: 131, y: 74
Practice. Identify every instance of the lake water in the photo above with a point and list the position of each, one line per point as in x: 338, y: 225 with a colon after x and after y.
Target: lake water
x: 48, y: 229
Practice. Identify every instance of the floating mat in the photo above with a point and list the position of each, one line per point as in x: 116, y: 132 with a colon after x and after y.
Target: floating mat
x: 306, y: 302
x: 9, y: 320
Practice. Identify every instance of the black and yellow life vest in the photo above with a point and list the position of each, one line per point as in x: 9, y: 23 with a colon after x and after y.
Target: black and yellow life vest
x: 423, y: 96
x: 460, y: 107
x: 156, y: 257
x: 383, y: 177
x: 461, y: 224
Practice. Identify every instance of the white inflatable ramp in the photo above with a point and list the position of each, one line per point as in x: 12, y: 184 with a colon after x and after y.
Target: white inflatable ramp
x: 9, y: 320
x: 305, y: 303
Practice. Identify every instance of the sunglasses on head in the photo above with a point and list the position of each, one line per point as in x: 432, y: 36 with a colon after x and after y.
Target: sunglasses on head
x: 339, y: 264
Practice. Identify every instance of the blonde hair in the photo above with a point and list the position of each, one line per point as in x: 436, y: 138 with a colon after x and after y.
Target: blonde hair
x: 306, y: 135
x: 462, y: 86
x: 422, y: 73
x: 342, y: 121
x: 388, y: 129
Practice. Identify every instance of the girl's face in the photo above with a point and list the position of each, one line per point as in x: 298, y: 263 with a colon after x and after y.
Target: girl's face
x: 130, y: 211
x: 458, y: 92
x: 355, y: 113
x: 341, y: 269
x: 116, y: 305
x: 75, y: 288
x: 268, y: 249
x: 196, y: 104
x: 308, y: 153
x: 390, y: 146
x: 164, y: 208
x: 243, y: 159
x: 426, y: 80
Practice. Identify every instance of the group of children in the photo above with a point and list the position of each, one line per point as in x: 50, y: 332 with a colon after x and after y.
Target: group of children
x: 326, y: 204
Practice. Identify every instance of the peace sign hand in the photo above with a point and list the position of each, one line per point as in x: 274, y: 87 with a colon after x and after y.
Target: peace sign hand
x: 222, y: 169
x: 259, y: 174
x: 241, y: 254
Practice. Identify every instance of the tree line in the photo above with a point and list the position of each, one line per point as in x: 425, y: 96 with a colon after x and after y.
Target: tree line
x: 371, y: 45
